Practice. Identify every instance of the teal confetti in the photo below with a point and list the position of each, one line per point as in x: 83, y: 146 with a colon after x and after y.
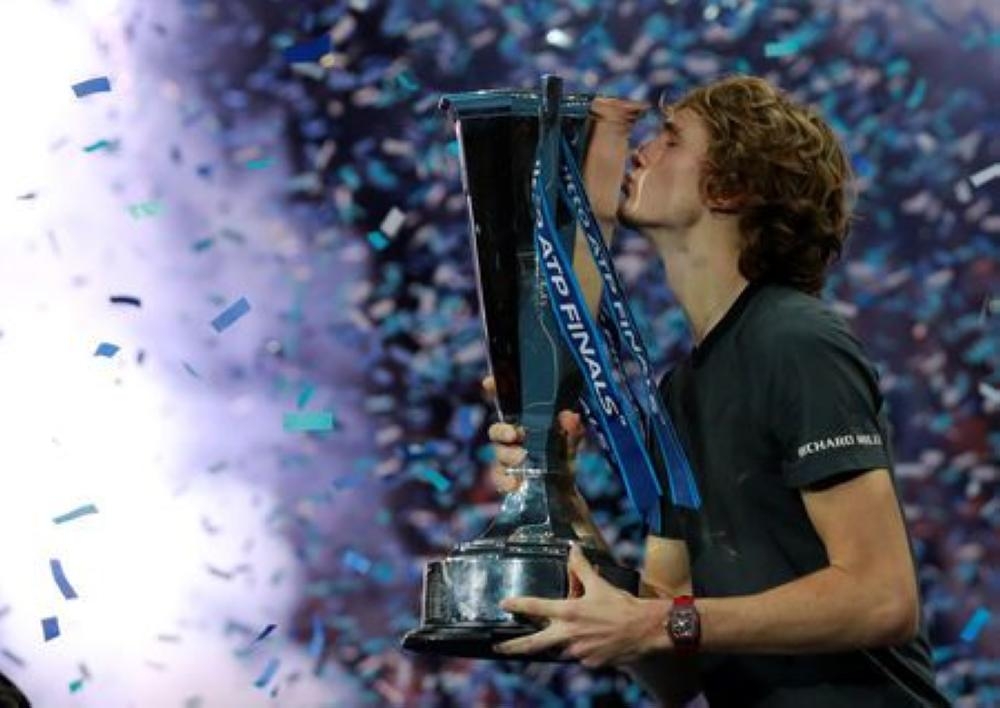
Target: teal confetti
x: 980, y: 618
x: 307, y: 392
x: 101, y: 145
x: 75, y: 514
x: 202, y: 244
x: 433, y: 477
x: 917, y: 95
x: 75, y: 685
x: 378, y: 240
x: 259, y: 163
x: 783, y: 48
x: 308, y: 421
x: 141, y: 210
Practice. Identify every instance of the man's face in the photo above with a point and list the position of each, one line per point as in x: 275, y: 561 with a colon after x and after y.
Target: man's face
x: 661, y: 189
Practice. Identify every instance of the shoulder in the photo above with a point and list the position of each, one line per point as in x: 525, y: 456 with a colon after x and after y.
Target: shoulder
x: 788, y: 323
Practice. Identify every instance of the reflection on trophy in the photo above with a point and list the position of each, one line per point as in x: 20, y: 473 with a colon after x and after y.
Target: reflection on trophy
x: 502, y: 135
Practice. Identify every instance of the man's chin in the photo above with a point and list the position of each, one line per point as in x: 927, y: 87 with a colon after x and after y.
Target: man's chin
x: 625, y: 218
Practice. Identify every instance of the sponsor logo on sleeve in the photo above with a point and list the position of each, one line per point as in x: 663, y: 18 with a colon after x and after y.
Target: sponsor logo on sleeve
x: 839, y: 441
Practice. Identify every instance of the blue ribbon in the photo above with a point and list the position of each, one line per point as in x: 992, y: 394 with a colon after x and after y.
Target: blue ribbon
x: 615, y: 308
x: 612, y: 407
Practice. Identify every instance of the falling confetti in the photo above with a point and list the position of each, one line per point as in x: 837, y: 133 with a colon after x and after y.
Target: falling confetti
x: 231, y: 314
x: 60, y: 577
x: 106, y: 349
x: 96, y: 85
x: 80, y: 511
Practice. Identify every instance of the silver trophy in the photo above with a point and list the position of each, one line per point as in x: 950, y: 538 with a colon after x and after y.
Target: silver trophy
x: 524, y: 551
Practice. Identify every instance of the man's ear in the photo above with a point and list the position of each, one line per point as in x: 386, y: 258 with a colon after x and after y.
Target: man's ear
x: 727, y: 204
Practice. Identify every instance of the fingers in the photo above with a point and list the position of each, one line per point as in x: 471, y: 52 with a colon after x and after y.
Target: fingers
x: 580, y: 568
x: 506, y: 439
x: 490, y: 387
x: 571, y: 423
x: 504, y: 480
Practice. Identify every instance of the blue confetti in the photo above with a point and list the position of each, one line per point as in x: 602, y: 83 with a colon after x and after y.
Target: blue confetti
x: 60, y: 577
x: 106, y: 349
x: 268, y: 673
x: 96, y: 85
x: 50, y: 628
x: 308, y: 51
x: 265, y: 632
x: 318, y: 640
x: 231, y: 314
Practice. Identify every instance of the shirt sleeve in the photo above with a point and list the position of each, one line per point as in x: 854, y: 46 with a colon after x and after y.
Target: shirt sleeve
x: 825, y: 406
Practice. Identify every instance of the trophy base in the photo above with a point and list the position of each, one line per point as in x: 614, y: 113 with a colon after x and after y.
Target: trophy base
x: 462, y: 594
x: 475, y: 641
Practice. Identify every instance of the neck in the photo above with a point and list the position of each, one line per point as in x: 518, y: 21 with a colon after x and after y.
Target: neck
x: 702, y: 268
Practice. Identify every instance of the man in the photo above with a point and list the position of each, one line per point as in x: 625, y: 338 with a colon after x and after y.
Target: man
x: 794, y: 584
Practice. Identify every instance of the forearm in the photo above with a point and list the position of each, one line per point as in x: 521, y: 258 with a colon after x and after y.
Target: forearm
x: 829, y: 610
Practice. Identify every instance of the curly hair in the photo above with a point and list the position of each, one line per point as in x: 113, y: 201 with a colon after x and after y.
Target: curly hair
x: 787, y: 172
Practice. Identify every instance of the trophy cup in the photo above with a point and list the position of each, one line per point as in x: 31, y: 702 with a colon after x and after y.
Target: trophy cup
x: 524, y: 551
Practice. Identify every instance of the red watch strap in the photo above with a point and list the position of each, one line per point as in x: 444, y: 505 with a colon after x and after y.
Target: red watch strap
x: 684, y: 600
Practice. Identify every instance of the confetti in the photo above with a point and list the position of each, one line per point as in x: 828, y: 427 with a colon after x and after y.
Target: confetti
x: 308, y: 51
x: 125, y: 300
x: 231, y: 314
x: 96, y: 85
x: 265, y: 632
x: 60, y: 577
x: 141, y: 210
x: 76, y: 513
x: 318, y: 640
x: 268, y: 673
x: 378, y: 240
x: 980, y: 618
x: 305, y: 395
x: 101, y: 145
x: 392, y: 221
x: 106, y: 349
x: 985, y: 175
x: 50, y: 628
x: 308, y: 421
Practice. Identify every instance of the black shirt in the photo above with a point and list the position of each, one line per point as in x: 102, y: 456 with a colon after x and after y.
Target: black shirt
x: 779, y: 397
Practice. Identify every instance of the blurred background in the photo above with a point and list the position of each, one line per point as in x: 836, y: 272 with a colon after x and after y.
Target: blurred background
x: 240, y: 348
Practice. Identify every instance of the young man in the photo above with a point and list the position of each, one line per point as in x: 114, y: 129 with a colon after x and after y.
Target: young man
x: 794, y: 584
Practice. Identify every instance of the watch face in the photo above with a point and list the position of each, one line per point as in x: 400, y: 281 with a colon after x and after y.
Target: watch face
x: 684, y: 624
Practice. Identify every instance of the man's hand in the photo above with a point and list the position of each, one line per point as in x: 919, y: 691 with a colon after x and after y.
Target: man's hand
x: 507, y: 440
x: 603, y: 626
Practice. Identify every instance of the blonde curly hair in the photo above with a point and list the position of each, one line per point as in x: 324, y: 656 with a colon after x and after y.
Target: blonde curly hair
x: 782, y: 165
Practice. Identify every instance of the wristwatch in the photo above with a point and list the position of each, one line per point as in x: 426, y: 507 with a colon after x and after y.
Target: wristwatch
x: 684, y: 625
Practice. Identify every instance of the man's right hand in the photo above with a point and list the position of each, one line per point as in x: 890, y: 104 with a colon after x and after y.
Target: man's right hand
x: 508, y: 440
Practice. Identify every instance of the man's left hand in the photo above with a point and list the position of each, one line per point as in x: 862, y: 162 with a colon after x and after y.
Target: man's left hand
x: 600, y: 625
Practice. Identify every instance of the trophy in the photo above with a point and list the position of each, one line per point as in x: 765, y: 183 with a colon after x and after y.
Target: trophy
x: 503, y: 134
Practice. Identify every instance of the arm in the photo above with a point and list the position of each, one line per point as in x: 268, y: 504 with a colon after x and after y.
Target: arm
x: 673, y: 681
x: 866, y: 597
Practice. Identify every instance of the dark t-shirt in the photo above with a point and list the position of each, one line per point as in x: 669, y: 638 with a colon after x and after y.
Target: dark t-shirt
x: 779, y: 397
